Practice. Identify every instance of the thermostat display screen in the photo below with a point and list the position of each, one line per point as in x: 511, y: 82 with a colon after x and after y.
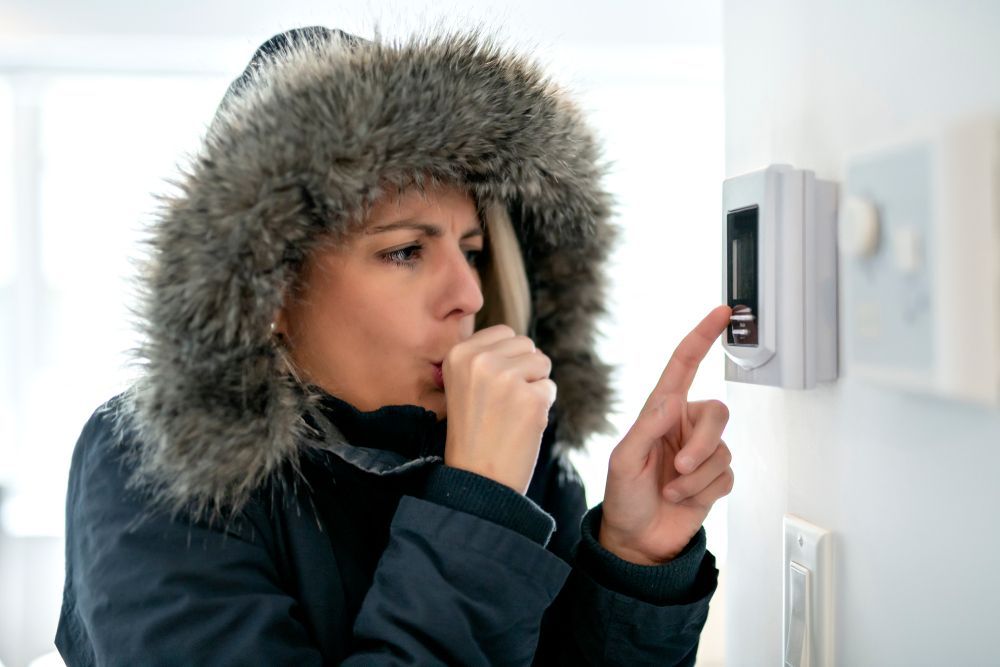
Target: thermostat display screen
x: 742, y: 275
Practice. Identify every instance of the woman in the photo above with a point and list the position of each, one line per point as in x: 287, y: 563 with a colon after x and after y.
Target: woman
x: 346, y: 446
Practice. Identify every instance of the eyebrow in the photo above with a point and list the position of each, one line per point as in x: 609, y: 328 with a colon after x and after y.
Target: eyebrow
x: 430, y: 230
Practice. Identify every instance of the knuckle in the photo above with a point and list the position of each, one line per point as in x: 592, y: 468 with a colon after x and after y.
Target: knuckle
x: 720, y: 408
x: 547, y: 363
x: 538, y: 392
x: 656, y: 403
x: 545, y: 392
x: 615, y: 460
x: 474, y: 363
x: 480, y: 363
x: 540, y: 415
x: 730, y: 479
x: 682, y: 488
x: 506, y: 373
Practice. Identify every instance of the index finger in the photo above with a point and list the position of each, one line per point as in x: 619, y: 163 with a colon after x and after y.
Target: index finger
x: 680, y: 371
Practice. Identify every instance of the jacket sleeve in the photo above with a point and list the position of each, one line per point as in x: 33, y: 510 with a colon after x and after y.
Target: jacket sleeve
x: 450, y: 588
x: 611, y: 611
x: 481, y: 587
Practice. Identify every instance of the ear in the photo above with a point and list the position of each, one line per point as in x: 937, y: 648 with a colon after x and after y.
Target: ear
x: 279, y: 325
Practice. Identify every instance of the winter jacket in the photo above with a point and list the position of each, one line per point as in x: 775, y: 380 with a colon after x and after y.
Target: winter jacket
x: 220, y: 513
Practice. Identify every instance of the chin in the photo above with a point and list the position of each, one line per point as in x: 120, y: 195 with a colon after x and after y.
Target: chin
x: 438, y: 404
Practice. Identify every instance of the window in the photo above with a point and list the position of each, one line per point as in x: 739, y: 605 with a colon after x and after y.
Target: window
x: 7, y: 255
x: 96, y: 149
x: 7, y: 270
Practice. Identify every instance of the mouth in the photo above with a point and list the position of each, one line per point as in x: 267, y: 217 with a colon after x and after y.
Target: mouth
x: 438, y: 375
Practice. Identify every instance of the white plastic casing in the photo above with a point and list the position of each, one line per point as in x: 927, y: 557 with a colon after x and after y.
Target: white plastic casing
x: 796, y: 278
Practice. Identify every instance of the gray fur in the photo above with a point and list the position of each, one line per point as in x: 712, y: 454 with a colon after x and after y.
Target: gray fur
x: 292, y: 157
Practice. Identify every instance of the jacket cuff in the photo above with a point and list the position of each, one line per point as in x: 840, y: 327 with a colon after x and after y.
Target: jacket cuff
x: 470, y: 492
x: 672, y: 582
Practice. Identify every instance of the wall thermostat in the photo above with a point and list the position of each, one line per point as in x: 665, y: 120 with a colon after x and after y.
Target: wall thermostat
x: 920, y: 242
x: 779, y: 230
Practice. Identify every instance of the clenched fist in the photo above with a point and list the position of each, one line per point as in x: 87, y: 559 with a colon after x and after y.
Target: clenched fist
x: 499, y: 394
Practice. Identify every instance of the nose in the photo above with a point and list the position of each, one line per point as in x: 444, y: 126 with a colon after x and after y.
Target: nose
x: 461, y: 285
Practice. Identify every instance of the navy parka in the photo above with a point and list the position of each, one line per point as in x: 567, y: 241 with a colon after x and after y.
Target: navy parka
x: 388, y: 557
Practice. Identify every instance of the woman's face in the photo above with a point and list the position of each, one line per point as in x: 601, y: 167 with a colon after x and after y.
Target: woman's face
x: 374, y: 314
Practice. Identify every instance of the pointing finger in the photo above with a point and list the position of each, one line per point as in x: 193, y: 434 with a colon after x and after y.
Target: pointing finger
x: 680, y: 370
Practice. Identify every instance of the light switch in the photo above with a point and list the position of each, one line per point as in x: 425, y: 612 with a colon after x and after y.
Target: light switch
x: 807, y: 627
x: 858, y: 231
x: 797, y: 633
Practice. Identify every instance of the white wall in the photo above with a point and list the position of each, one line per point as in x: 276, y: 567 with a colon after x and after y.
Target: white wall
x: 906, y: 483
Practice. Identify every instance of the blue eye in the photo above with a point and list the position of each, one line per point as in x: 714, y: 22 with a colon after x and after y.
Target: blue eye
x: 405, y: 256
x: 400, y: 257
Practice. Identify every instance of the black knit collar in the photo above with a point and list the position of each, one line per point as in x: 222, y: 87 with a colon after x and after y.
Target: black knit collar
x: 410, y: 430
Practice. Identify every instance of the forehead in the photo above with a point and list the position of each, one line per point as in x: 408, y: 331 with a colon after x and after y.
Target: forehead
x: 446, y: 204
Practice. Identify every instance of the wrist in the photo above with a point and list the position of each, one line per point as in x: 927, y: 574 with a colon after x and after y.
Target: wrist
x: 684, y: 579
x: 488, y: 499
x: 607, y: 539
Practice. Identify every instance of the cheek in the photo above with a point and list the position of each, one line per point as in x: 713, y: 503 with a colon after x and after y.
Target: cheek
x: 370, y: 323
x: 359, y: 322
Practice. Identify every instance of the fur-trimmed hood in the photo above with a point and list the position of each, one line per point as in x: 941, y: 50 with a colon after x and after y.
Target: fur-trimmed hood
x: 309, y: 131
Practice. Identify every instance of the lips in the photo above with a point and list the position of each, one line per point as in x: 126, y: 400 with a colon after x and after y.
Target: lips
x: 438, y: 375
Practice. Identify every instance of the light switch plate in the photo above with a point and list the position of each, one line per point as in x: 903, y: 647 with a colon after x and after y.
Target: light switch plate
x: 809, y: 547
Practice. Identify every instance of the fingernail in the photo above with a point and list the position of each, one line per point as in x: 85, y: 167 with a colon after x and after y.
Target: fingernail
x: 673, y: 496
x: 685, y: 464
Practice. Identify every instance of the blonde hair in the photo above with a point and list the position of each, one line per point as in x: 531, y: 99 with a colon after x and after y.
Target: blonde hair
x: 506, y: 294
x: 504, y: 280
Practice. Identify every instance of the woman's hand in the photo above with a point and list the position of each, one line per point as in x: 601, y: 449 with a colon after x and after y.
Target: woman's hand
x: 673, y: 446
x: 499, y: 394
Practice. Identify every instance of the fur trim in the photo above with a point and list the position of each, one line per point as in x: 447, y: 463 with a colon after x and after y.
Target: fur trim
x: 294, y: 155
